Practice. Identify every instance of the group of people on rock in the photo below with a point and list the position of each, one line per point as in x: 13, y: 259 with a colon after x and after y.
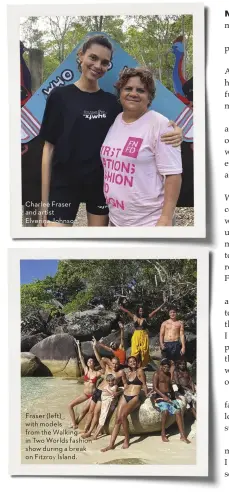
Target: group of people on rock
x: 121, y: 381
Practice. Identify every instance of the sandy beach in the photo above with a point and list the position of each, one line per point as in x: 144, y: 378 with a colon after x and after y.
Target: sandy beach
x: 47, y: 437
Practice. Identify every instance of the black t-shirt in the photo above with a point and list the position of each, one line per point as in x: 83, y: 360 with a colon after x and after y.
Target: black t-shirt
x: 76, y: 123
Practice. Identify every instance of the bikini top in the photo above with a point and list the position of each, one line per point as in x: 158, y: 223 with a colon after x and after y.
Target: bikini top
x: 135, y: 381
x: 88, y: 379
x: 140, y: 323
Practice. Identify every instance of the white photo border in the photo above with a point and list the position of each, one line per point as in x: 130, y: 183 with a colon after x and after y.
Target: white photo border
x: 194, y: 9
x: 110, y: 252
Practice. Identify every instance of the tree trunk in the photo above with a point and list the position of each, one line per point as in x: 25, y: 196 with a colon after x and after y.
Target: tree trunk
x: 36, y: 65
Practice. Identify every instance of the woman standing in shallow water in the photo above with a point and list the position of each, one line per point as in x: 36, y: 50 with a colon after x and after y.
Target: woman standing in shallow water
x: 90, y: 378
x: 76, y: 120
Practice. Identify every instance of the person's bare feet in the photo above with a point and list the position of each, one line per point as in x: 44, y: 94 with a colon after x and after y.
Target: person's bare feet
x: 184, y: 439
x: 164, y: 438
x: 125, y: 444
x: 86, y: 435
x: 109, y: 447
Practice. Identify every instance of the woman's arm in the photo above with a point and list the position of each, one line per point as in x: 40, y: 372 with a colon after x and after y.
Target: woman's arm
x: 98, y: 357
x: 46, y: 167
x: 81, y: 357
x: 171, y: 195
x: 124, y: 379
x: 142, y: 377
x: 131, y: 315
x: 156, y: 310
x: 105, y: 347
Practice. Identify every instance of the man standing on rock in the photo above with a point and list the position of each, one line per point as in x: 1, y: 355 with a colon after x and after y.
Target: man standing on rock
x: 172, y: 339
x: 164, y: 400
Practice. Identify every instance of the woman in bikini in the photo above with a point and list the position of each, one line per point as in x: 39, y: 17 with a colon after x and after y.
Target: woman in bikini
x: 135, y: 390
x: 90, y: 378
x: 140, y: 337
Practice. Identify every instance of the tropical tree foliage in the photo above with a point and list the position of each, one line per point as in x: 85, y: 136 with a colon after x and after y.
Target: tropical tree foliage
x: 132, y: 282
x: 147, y: 38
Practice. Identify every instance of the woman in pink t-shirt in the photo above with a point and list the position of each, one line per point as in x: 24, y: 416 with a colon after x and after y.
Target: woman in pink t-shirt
x: 142, y: 174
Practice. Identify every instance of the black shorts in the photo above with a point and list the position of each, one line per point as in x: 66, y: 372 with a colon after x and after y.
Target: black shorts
x: 172, y: 350
x: 96, y: 396
x: 64, y: 201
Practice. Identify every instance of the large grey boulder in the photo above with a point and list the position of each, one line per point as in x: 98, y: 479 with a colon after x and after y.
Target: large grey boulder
x: 146, y: 419
x: 96, y: 322
x: 59, y: 353
x: 27, y: 342
x: 31, y: 366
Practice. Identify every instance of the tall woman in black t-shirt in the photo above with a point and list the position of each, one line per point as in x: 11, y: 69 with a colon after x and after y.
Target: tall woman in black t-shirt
x: 76, y: 120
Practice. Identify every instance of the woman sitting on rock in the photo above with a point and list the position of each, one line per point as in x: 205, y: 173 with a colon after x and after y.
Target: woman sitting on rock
x: 140, y: 337
x: 109, y: 366
x: 90, y: 378
x: 135, y: 391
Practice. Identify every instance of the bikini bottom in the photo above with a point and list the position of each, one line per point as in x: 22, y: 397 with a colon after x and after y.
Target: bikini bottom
x: 129, y: 397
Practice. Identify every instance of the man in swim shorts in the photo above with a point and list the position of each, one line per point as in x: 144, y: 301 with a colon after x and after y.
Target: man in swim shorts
x: 164, y: 400
x: 172, y: 339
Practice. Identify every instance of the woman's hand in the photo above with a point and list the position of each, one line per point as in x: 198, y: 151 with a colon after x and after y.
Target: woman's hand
x: 94, y: 342
x: 173, y: 138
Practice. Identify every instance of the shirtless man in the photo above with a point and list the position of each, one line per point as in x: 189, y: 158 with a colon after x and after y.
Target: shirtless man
x: 164, y: 400
x: 110, y: 366
x: 185, y: 384
x: 172, y: 339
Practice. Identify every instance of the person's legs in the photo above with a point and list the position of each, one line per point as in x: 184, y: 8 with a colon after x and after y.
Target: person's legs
x: 126, y: 410
x: 95, y: 420
x: 164, y: 416
x: 181, y: 427
x: 116, y: 426
x: 84, y: 411
x: 89, y: 415
x: 71, y: 405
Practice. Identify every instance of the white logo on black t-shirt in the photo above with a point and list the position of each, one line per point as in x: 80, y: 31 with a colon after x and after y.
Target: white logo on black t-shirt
x: 94, y: 115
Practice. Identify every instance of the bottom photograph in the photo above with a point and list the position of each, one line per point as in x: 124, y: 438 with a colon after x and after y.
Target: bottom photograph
x: 110, y: 367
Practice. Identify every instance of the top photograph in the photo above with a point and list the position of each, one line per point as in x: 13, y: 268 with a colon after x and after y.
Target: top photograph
x: 112, y: 117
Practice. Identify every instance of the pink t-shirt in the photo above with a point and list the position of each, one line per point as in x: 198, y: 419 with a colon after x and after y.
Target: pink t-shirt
x: 135, y: 164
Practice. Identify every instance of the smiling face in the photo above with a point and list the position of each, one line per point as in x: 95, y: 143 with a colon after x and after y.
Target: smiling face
x: 95, y: 61
x: 134, y: 96
x: 90, y: 363
x: 115, y: 364
x: 132, y: 363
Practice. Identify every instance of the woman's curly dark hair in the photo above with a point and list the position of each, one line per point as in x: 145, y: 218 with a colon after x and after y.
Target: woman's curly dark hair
x: 145, y: 75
